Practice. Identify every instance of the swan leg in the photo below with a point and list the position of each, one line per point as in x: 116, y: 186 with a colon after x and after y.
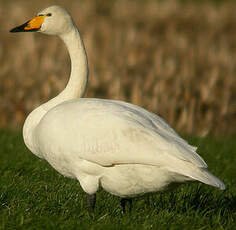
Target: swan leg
x: 124, y: 202
x: 90, y: 201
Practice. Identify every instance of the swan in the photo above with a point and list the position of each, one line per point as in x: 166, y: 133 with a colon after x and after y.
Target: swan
x: 123, y: 148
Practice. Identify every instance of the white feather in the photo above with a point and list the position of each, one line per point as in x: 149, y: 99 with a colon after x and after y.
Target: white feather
x: 122, y: 147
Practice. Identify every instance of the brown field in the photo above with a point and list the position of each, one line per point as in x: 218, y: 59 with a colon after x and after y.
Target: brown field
x: 175, y: 59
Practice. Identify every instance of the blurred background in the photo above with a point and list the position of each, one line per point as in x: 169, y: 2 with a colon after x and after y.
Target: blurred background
x: 174, y: 58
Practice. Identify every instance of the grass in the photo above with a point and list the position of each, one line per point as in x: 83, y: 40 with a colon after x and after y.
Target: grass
x: 35, y: 196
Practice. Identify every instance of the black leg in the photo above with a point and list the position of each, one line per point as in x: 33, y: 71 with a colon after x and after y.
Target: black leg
x: 90, y: 201
x: 124, y: 202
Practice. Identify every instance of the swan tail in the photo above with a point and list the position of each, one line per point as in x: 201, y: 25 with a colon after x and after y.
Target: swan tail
x: 204, y: 176
x: 200, y: 174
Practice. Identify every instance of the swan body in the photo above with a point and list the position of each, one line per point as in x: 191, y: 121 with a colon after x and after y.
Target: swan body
x: 123, y: 148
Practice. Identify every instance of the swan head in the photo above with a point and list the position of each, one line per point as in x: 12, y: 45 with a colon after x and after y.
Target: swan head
x: 53, y: 20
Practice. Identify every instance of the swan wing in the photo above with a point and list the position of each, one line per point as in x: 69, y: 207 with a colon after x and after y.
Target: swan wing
x: 108, y: 133
x: 159, y: 123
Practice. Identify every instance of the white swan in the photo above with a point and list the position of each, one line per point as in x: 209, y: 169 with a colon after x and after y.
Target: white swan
x: 121, y: 147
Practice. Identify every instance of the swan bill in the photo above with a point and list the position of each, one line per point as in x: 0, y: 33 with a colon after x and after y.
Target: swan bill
x: 30, y: 26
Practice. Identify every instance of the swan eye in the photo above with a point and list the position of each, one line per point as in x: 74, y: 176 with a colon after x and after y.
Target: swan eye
x: 49, y: 14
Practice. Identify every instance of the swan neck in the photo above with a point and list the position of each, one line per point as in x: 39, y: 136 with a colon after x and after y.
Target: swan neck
x: 79, y: 65
x: 77, y: 83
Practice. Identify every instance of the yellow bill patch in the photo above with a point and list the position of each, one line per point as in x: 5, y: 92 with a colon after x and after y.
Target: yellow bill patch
x: 35, y: 23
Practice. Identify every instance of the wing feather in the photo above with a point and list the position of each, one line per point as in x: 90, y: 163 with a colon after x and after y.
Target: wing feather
x: 111, y: 132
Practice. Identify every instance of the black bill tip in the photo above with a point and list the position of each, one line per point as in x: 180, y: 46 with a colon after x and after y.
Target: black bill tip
x: 21, y: 28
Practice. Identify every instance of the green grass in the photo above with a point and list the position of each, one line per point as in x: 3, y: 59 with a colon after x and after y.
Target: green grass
x: 34, y: 196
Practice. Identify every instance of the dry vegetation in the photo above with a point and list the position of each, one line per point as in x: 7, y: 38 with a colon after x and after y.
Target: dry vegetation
x: 175, y: 59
